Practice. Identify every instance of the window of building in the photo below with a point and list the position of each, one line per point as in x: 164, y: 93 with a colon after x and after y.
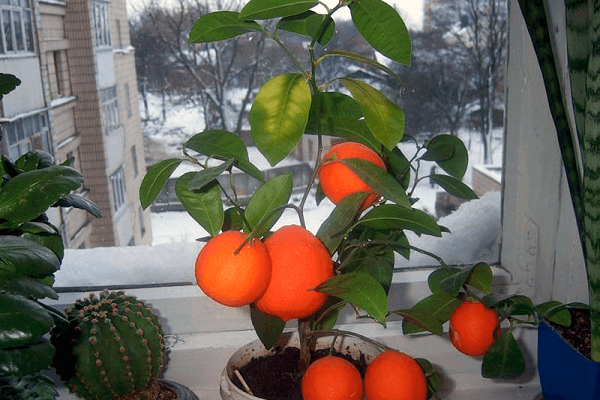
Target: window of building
x: 134, y: 161
x: 142, y: 223
x: 128, y: 100
x: 101, y: 24
x: 17, y: 28
x: 26, y: 134
x: 117, y: 181
x: 110, y: 109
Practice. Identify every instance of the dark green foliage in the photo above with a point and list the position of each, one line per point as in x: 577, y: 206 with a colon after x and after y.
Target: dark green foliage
x: 114, y: 346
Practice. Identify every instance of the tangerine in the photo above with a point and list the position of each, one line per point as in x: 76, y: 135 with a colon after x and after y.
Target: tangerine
x: 300, y: 262
x: 394, y: 375
x: 332, y: 378
x: 473, y: 328
x: 233, y: 279
x: 338, y: 180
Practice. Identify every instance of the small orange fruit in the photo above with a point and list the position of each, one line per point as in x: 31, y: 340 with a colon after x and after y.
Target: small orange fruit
x: 394, y: 375
x: 338, y: 180
x: 473, y: 328
x: 300, y: 262
x: 332, y: 378
x: 233, y: 279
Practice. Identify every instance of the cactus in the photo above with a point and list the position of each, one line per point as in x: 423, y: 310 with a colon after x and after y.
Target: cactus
x: 112, y: 349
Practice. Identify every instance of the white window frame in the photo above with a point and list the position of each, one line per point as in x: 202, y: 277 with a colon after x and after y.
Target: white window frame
x: 111, y: 119
x: 20, y: 19
x: 22, y: 130
x: 117, y: 184
x: 101, y: 24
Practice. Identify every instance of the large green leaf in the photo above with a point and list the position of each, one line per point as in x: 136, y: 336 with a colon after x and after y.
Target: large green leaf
x: 416, y: 320
x: 554, y: 311
x: 23, y: 321
x: 382, y: 28
x: 434, y: 279
x: 224, y: 145
x: 383, y: 117
x: 265, y: 9
x: 25, y: 257
x: 504, y: 359
x: 438, y: 306
x: 309, y: 24
x: 360, y: 58
x: 333, y: 229
x: 261, y: 209
x: 220, y: 25
x: 450, y: 153
x: 51, y: 240
x: 395, y: 217
x: 28, y: 360
x: 208, y: 175
x: 279, y: 114
x: 205, y: 206
x: 155, y: 179
x: 268, y: 328
x: 28, y: 195
x: 361, y: 290
x: 479, y: 276
x: 81, y: 202
x: 26, y: 286
x: 453, y: 186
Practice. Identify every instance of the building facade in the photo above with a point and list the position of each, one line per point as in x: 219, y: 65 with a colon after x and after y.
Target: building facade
x: 78, y: 99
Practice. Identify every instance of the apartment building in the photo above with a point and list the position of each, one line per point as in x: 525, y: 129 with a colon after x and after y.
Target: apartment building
x: 78, y: 99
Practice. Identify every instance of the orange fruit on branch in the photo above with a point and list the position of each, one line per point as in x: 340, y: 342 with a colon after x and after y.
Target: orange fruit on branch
x: 300, y: 262
x: 473, y: 328
x: 230, y: 278
x: 332, y: 378
x: 394, y: 375
x: 338, y: 180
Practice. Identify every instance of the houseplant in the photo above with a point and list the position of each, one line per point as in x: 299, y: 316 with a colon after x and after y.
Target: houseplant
x: 31, y: 250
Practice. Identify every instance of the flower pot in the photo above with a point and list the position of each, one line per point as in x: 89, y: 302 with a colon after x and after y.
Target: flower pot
x: 182, y: 392
x: 351, y: 345
x: 565, y: 374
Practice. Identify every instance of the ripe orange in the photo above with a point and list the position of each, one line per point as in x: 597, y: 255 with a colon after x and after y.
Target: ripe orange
x: 233, y: 279
x: 338, y: 180
x: 473, y: 328
x: 332, y: 378
x: 394, y: 375
x: 300, y: 262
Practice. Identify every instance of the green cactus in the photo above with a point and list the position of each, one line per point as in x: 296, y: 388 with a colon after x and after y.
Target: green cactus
x: 113, y: 348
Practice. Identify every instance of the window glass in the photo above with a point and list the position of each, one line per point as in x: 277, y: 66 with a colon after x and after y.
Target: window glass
x: 6, y: 23
x: 17, y: 27
x: 26, y: 134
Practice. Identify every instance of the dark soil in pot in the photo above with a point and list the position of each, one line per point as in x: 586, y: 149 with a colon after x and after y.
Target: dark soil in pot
x: 278, y: 377
x: 579, y: 333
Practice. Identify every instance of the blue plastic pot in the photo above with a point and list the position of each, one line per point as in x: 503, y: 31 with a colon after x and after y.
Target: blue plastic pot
x: 565, y: 374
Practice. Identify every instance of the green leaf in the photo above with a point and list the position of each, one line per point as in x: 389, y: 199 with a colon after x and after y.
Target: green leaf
x: 450, y: 153
x: 224, y: 145
x: 454, y: 186
x: 326, y: 317
x: 220, y: 25
x: 265, y: 9
x: 23, y: 321
x: 439, y: 305
x: 517, y: 304
x: 398, y: 166
x: 478, y: 276
x: 26, y: 257
x: 308, y: 24
x: 332, y: 230
x: 155, y: 179
x: 81, y: 202
x: 28, y: 161
x: 384, y: 118
x: 439, y: 275
x: 392, y: 216
x: 382, y: 28
x: 26, y: 286
x: 279, y: 114
x: 274, y: 194
x: 358, y: 57
x: 205, y: 206
x: 379, y: 180
x: 208, y: 175
x: 554, y: 311
x: 28, y: 360
x: 52, y: 240
x: 30, y: 194
x: 419, y: 320
x: 267, y: 327
x: 8, y: 83
x: 435, y: 380
x: 361, y: 290
x: 504, y: 359
x: 233, y: 220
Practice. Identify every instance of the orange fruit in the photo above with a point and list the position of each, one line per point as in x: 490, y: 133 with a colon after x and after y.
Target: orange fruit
x: 233, y: 279
x: 300, y: 262
x: 332, y: 378
x: 394, y: 375
x: 473, y: 328
x: 338, y: 180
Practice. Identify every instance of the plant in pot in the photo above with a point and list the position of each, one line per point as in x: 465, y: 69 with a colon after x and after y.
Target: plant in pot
x: 31, y: 251
x: 292, y: 274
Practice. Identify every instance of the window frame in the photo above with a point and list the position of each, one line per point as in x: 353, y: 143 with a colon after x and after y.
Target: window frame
x: 20, y: 21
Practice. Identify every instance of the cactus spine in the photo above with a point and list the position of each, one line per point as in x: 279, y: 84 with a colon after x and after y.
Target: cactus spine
x: 113, y: 348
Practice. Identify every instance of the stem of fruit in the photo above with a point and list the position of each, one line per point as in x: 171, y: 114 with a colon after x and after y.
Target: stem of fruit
x: 304, y: 335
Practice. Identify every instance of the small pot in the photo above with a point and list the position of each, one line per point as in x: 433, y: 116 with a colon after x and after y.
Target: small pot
x: 344, y: 343
x: 182, y: 392
x: 565, y: 374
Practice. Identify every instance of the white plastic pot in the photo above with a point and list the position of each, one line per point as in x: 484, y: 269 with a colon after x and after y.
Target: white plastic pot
x: 344, y: 343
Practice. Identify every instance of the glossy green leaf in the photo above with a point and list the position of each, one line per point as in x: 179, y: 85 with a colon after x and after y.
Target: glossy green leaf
x: 453, y: 186
x: 554, y: 311
x: 439, y: 305
x: 400, y: 244
x: 398, y: 166
x: 392, y: 216
x: 155, y: 179
x: 220, y: 25
x: 419, y: 320
x: 265, y: 9
x: 208, y: 175
x: 309, y: 24
x: 8, y: 83
x: 26, y: 286
x: 28, y: 161
x: 326, y: 317
x: 28, y: 195
x: 450, y: 153
x: 25, y: 257
x: 379, y: 180
x: 279, y: 114
x: 361, y: 290
x: 267, y: 327
x: 383, y: 117
x: 332, y: 230
x: 517, y: 304
x: 81, y: 202
x: 52, y: 241
x: 23, y: 321
x: 233, y: 219
x: 478, y: 276
x: 435, y: 380
x: 28, y: 360
x: 504, y: 360
x: 360, y: 58
x: 205, y: 206
x: 224, y: 145
x: 437, y: 276
x: 382, y: 28
x: 260, y: 211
